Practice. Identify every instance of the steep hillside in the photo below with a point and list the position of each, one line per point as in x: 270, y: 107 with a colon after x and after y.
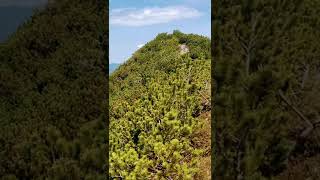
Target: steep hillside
x: 53, y: 83
x: 160, y: 110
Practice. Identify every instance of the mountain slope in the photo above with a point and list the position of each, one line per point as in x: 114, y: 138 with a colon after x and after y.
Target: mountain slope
x: 158, y: 100
x: 53, y: 95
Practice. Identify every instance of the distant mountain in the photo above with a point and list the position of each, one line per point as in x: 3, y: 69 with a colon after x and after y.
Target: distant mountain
x: 113, y: 66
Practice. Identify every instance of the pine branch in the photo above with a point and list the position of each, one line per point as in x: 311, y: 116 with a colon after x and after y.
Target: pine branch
x: 207, y: 101
x: 113, y: 177
x: 243, y: 43
x: 310, y: 126
x: 248, y: 46
x: 239, y: 154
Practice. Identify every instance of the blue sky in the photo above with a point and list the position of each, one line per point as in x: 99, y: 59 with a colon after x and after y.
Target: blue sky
x: 135, y: 22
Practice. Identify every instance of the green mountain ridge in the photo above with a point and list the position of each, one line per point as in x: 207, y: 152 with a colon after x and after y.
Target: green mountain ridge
x: 157, y: 108
x: 53, y: 96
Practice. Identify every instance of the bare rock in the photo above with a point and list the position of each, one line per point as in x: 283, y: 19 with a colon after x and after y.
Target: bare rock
x: 183, y: 49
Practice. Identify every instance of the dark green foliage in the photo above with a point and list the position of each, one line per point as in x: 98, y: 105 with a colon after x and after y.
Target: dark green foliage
x: 263, y: 50
x: 155, y: 104
x: 53, y: 83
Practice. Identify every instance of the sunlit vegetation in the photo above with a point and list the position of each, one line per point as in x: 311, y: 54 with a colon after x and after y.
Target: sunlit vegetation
x: 156, y: 101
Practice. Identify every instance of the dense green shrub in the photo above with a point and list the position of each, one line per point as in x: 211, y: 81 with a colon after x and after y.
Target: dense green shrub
x: 264, y: 58
x: 53, y: 83
x: 155, y: 109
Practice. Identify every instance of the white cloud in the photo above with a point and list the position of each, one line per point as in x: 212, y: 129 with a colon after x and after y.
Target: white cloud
x: 140, y: 46
x: 150, y: 16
